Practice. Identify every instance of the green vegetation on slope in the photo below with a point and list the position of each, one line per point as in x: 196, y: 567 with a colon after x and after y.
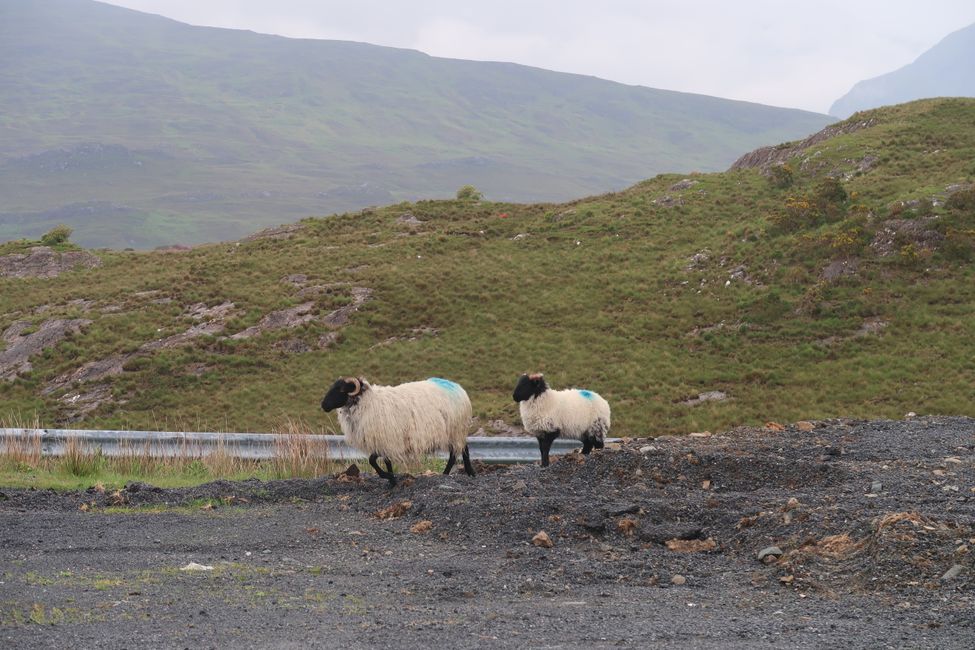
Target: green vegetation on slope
x: 139, y: 131
x: 796, y: 295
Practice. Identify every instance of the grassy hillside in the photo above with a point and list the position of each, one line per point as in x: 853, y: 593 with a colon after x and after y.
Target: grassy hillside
x: 138, y: 130
x: 830, y: 286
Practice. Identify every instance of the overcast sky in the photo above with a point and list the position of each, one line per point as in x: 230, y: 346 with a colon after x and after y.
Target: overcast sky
x: 796, y: 54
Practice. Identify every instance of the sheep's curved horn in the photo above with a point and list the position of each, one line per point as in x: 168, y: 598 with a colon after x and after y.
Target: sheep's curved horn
x: 358, y: 386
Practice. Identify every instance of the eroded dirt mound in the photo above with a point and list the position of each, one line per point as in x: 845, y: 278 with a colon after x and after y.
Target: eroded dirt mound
x: 828, y: 534
x: 42, y: 262
x: 870, y: 506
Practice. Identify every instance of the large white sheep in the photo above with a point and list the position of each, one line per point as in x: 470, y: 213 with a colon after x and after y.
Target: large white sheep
x: 572, y: 413
x: 403, y: 423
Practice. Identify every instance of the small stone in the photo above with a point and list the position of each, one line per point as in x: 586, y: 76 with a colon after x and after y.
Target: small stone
x: 519, y: 485
x: 792, y: 504
x: 193, y: 566
x: 593, y: 524
x: 953, y: 572
x: 646, y: 449
x: 408, y: 219
x: 912, y: 414
x: 769, y: 552
x: 543, y: 540
x: 876, y: 487
x: 708, y: 396
x: 678, y: 579
x: 805, y: 425
x: 684, y: 184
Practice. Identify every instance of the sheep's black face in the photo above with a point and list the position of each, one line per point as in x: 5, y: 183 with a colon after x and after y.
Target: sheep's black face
x: 340, y: 392
x: 529, y: 386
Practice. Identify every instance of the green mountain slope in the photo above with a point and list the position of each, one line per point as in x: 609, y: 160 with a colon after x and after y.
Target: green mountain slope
x: 946, y: 70
x: 138, y: 130
x: 838, y: 285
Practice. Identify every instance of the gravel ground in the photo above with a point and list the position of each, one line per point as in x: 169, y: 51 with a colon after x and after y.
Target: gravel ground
x: 653, y: 544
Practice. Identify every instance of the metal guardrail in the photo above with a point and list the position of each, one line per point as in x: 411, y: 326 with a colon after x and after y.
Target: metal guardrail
x: 254, y: 446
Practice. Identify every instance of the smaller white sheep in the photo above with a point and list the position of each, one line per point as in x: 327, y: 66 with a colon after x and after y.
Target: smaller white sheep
x: 403, y: 423
x: 572, y: 413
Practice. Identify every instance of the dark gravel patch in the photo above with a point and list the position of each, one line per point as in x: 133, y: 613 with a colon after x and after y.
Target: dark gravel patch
x: 868, y: 518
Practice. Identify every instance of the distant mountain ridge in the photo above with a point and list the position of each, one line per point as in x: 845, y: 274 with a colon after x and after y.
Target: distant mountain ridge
x: 208, y: 133
x: 946, y: 70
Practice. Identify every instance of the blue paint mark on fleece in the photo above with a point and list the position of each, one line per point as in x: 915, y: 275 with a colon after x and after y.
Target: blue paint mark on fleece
x: 446, y: 384
x: 588, y: 394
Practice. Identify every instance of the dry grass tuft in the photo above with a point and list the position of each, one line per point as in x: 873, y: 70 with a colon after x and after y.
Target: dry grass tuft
x: 302, y: 453
x: 421, y: 527
x: 626, y: 525
x: 21, y: 449
x: 691, y: 545
x: 838, y: 546
x: 394, y: 511
x: 914, y: 518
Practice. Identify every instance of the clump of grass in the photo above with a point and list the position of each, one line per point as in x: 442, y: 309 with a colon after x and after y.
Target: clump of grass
x: 79, y: 460
x: 301, y: 453
x: 21, y: 450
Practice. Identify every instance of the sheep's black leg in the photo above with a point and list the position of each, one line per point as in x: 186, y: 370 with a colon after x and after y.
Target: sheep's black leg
x: 375, y: 465
x: 545, y: 444
x: 467, y: 461
x: 388, y: 475
x: 587, y: 443
x: 451, y: 459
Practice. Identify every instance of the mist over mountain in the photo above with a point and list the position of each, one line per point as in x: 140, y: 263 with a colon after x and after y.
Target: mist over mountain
x: 138, y: 130
x: 946, y: 70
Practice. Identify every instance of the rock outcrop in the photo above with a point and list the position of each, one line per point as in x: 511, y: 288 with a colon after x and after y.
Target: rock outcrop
x: 43, y: 262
